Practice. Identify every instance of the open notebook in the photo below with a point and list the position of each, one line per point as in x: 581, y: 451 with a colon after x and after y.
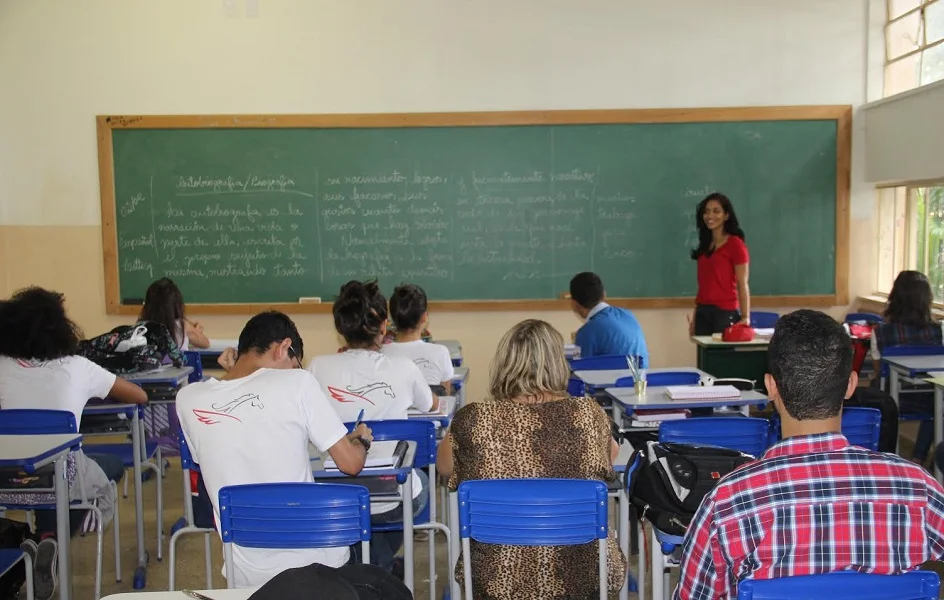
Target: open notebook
x: 699, y: 392
x: 388, y: 453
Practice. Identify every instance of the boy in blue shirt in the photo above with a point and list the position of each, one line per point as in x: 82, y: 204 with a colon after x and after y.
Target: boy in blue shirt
x: 608, y: 330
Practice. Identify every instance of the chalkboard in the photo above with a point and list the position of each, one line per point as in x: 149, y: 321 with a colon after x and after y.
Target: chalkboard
x: 473, y: 207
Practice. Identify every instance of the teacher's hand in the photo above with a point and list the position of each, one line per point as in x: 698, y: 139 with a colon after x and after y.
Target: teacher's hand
x: 745, y: 321
x: 691, y: 325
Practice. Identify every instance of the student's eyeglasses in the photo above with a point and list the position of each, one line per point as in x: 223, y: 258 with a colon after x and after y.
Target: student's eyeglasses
x: 293, y: 354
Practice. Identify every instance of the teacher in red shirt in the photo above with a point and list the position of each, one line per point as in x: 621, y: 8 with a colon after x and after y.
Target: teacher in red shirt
x: 723, y: 293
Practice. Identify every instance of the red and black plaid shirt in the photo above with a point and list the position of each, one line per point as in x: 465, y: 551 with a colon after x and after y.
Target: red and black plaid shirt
x: 813, y: 504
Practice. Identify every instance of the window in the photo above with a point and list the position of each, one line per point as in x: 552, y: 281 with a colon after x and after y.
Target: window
x: 911, y: 234
x: 914, y: 44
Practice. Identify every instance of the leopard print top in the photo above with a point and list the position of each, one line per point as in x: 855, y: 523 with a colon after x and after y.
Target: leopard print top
x: 568, y: 438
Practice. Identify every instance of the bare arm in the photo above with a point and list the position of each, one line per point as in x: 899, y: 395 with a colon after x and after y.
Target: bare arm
x: 444, y: 464
x: 195, y: 334
x: 741, y: 273
x: 614, y: 450
x: 125, y: 391
x: 350, y: 454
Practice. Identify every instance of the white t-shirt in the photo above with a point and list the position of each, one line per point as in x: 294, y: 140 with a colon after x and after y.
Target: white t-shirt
x: 385, y: 387
x: 256, y: 429
x: 61, y: 384
x: 433, y: 360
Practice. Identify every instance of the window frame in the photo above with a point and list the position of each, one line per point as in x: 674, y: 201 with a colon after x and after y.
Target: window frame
x: 922, y: 45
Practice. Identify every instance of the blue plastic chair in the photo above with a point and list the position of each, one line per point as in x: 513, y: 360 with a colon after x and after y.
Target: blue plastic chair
x: 8, y: 560
x: 193, y: 359
x: 600, y: 363
x: 749, y: 435
x: 293, y: 515
x: 867, y: 317
x: 663, y: 378
x: 533, y: 512
x: 186, y: 525
x: 844, y: 585
x: 424, y: 434
x: 31, y: 421
x: 862, y: 426
x: 744, y: 434
x: 764, y: 320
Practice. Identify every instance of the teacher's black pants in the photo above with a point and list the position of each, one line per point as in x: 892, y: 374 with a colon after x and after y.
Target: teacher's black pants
x: 710, y: 319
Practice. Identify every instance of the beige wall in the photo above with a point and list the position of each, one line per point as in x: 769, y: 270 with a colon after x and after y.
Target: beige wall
x: 61, y: 63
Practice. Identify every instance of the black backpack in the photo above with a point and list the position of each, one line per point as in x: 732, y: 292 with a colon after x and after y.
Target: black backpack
x: 350, y: 582
x: 670, y: 480
x: 132, y: 348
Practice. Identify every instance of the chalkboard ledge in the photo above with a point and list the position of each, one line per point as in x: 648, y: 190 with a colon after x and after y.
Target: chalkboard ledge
x: 497, y: 305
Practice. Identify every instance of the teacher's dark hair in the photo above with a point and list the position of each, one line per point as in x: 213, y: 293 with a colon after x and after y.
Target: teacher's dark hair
x: 810, y: 359
x: 731, y: 226
x: 34, y: 325
x: 909, y: 302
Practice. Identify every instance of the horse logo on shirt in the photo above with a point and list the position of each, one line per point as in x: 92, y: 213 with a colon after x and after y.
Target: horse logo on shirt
x: 352, y: 394
x: 211, y: 417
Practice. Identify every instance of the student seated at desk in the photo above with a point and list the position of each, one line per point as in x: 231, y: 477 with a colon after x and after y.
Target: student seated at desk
x: 40, y: 369
x: 384, y: 387
x: 410, y: 317
x: 164, y: 304
x: 608, y: 330
x: 908, y: 322
x: 254, y: 426
x: 531, y: 427
x: 813, y: 503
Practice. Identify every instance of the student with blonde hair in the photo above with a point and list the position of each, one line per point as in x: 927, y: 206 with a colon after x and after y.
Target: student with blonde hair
x: 530, y: 427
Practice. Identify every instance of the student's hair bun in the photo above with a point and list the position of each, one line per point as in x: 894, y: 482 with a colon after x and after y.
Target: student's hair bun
x: 360, y: 312
x: 407, y: 306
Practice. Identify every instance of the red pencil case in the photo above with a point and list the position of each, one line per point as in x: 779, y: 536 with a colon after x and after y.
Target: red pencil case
x: 739, y: 332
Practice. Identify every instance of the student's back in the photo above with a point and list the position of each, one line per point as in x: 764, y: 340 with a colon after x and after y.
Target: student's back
x: 409, y: 312
x: 612, y: 331
x: 256, y: 429
x: 433, y: 360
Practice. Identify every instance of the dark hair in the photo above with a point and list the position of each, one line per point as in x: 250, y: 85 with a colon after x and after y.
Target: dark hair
x: 909, y: 302
x: 360, y: 312
x: 407, y: 306
x: 810, y: 359
x: 164, y: 304
x: 731, y: 226
x: 586, y: 289
x: 267, y: 328
x: 34, y: 325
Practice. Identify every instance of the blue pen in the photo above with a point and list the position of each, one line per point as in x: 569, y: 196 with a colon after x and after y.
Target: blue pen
x: 360, y: 417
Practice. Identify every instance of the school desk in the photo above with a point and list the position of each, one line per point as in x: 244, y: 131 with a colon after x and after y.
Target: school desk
x: 210, y: 356
x: 403, y: 473
x: 599, y: 380
x: 31, y: 452
x: 938, y: 383
x: 459, y: 381
x: 656, y: 398
x: 915, y: 366
x: 455, y: 350
x: 739, y: 360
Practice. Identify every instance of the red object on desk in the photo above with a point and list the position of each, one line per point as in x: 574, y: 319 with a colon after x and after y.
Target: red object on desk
x: 739, y: 332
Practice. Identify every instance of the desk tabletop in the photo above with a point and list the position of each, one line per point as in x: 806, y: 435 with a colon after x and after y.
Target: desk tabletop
x: 655, y: 397
x: 172, y: 376
x: 447, y: 414
x: 241, y: 594
x: 707, y: 340
x: 462, y: 374
x: 609, y: 377
x: 916, y: 364
x: 111, y: 408
x: 938, y: 381
x: 455, y: 348
x: 217, y: 346
x: 33, y: 451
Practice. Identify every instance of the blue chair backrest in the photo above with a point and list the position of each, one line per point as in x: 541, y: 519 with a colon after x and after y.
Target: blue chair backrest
x: 764, y: 320
x: 533, y: 512
x: 413, y: 430
x: 193, y: 359
x: 844, y: 585
x: 294, y: 515
x: 867, y: 317
x: 861, y: 426
x: 663, y: 378
x: 34, y: 421
x: 600, y: 363
x: 576, y: 387
x: 186, y: 459
x: 745, y: 434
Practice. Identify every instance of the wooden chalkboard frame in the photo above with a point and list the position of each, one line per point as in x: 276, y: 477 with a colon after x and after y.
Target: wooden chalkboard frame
x: 842, y: 114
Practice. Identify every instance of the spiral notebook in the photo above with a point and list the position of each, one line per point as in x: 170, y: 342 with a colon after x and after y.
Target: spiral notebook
x: 388, y: 453
x: 700, y: 392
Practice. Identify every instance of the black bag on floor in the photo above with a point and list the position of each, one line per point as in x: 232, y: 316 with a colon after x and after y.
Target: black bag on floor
x: 869, y: 397
x: 672, y: 479
x: 350, y: 582
x: 12, y: 534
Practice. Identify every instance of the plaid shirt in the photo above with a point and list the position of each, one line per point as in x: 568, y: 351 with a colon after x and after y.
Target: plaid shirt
x: 813, y: 504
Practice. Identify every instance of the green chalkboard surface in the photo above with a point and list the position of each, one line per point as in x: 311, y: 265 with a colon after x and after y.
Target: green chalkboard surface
x: 268, y: 214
